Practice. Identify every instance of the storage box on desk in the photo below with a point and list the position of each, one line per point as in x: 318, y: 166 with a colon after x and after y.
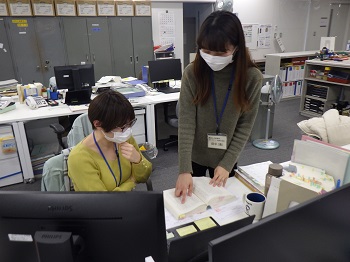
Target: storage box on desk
x: 142, y: 8
x: 43, y: 7
x: 65, y: 8
x: 125, y: 8
x: 4, y: 10
x: 20, y: 8
x: 339, y: 77
x: 106, y: 8
x: 86, y: 8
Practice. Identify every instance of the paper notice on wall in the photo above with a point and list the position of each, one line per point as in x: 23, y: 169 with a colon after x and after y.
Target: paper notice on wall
x: 250, y: 35
x: 166, y: 24
x: 265, y: 36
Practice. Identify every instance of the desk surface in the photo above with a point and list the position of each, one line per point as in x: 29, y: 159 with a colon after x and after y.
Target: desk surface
x: 223, y: 215
x: 24, y: 113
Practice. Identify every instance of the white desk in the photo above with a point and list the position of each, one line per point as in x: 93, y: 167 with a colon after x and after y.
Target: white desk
x: 22, y: 113
x: 223, y: 215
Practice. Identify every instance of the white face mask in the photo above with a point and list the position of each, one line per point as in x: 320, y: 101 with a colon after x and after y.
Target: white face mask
x: 119, y: 137
x: 216, y: 63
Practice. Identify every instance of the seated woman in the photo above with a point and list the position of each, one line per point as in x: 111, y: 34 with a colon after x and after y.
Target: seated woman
x: 108, y: 159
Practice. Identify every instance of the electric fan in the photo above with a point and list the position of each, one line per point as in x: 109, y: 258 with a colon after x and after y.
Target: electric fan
x: 275, y: 94
x: 224, y: 5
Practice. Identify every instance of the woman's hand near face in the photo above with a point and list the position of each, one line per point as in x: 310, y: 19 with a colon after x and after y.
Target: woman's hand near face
x: 220, y: 177
x: 184, y: 186
x: 129, y: 152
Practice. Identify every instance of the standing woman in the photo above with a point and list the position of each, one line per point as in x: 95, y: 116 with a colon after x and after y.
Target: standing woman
x: 219, y: 100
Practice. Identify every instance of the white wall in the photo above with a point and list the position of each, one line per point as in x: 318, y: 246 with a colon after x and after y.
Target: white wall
x: 321, y: 9
x: 178, y: 13
x: 288, y: 17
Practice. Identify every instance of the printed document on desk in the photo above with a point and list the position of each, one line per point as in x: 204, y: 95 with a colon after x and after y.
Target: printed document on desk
x: 255, y: 174
x: 79, y: 108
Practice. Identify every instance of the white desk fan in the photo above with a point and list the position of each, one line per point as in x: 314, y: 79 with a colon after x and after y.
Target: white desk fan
x: 275, y: 92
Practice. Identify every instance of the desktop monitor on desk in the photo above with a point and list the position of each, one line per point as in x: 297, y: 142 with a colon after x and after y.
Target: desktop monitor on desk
x: 78, y: 79
x: 317, y: 230
x: 82, y: 226
x: 160, y: 71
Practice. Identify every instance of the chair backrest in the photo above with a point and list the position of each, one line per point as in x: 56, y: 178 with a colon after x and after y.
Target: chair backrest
x: 55, y: 173
x: 80, y: 129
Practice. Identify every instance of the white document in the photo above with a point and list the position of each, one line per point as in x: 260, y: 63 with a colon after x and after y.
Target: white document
x: 272, y: 197
x: 256, y: 172
x: 106, y: 79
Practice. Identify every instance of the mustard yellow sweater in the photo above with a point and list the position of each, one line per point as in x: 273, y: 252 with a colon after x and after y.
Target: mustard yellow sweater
x: 89, y: 172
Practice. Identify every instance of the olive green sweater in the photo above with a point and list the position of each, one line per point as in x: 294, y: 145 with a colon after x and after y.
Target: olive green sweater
x: 89, y: 171
x: 195, y: 122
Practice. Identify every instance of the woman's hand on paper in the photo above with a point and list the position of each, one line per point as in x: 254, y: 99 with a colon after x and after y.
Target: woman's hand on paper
x: 184, y: 186
x: 220, y: 177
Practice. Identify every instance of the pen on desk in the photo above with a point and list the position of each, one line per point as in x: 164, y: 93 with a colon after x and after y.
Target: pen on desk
x: 338, y: 184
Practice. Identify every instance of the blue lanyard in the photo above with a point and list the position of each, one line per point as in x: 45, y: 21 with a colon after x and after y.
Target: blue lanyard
x: 219, y: 118
x: 109, y: 167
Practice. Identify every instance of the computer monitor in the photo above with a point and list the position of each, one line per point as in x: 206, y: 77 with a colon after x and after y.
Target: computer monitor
x: 77, y: 226
x: 160, y: 71
x: 75, y: 77
x: 317, y: 230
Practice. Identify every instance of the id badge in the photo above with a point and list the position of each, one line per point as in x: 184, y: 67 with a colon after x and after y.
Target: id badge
x: 217, y: 141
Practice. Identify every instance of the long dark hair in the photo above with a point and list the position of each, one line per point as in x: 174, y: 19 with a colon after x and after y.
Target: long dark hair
x: 218, y: 30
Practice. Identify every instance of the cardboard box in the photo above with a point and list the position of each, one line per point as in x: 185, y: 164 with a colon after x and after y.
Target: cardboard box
x: 143, y: 8
x: 43, y: 8
x: 125, y: 8
x: 86, y: 8
x: 20, y: 8
x: 106, y: 8
x: 65, y: 8
x: 4, y: 11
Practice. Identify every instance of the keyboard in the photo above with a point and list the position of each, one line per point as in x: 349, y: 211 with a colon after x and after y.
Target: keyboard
x: 168, y: 90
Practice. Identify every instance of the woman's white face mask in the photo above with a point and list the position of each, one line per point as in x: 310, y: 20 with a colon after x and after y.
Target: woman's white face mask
x: 216, y: 63
x: 119, y: 137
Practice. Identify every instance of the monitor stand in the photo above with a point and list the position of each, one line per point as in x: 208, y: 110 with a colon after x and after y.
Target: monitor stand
x: 161, y: 85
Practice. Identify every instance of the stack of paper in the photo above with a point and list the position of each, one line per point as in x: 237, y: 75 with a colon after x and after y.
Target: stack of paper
x: 254, y: 175
x: 8, y: 87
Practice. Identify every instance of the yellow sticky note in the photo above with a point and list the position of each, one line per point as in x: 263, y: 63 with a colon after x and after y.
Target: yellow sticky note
x: 205, y: 223
x: 186, y: 230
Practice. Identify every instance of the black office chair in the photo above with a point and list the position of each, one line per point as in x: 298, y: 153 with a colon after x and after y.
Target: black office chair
x: 173, y: 121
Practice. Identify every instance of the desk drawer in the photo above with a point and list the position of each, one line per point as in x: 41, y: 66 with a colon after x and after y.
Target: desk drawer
x: 139, y: 127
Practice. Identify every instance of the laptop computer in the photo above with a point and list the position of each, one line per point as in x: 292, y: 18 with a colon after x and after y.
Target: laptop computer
x: 78, y: 97
x: 194, y: 247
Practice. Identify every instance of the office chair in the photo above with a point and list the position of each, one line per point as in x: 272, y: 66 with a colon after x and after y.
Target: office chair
x: 81, y: 128
x: 174, y: 122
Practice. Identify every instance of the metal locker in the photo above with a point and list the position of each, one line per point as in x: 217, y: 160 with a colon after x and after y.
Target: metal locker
x: 122, y: 46
x: 24, y: 49
x: 50, y: 44
x: 142, y: 42
x: 100, y: 51
x: 77, y: 41
x: 6, y: 66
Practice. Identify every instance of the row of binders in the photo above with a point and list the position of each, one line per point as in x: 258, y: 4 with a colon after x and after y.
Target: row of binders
x: 293, y: 88
x: 292, y: 72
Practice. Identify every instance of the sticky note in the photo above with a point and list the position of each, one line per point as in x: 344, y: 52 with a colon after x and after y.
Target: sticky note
x: 169, y: 235
x: 186, y: 230
x: 205, y: 223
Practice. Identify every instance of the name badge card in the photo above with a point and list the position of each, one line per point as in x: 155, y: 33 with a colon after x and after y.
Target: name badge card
x: 217, y: 141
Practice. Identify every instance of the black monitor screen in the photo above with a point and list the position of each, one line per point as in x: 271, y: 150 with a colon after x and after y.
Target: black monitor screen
x: 317, y: 230
x: 165, y: 69
x: 82, y: 227
x: 75, y: 77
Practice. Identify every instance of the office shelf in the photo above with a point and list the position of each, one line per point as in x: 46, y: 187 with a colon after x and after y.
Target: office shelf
x: 319, y: 93
x: 290, y: 67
